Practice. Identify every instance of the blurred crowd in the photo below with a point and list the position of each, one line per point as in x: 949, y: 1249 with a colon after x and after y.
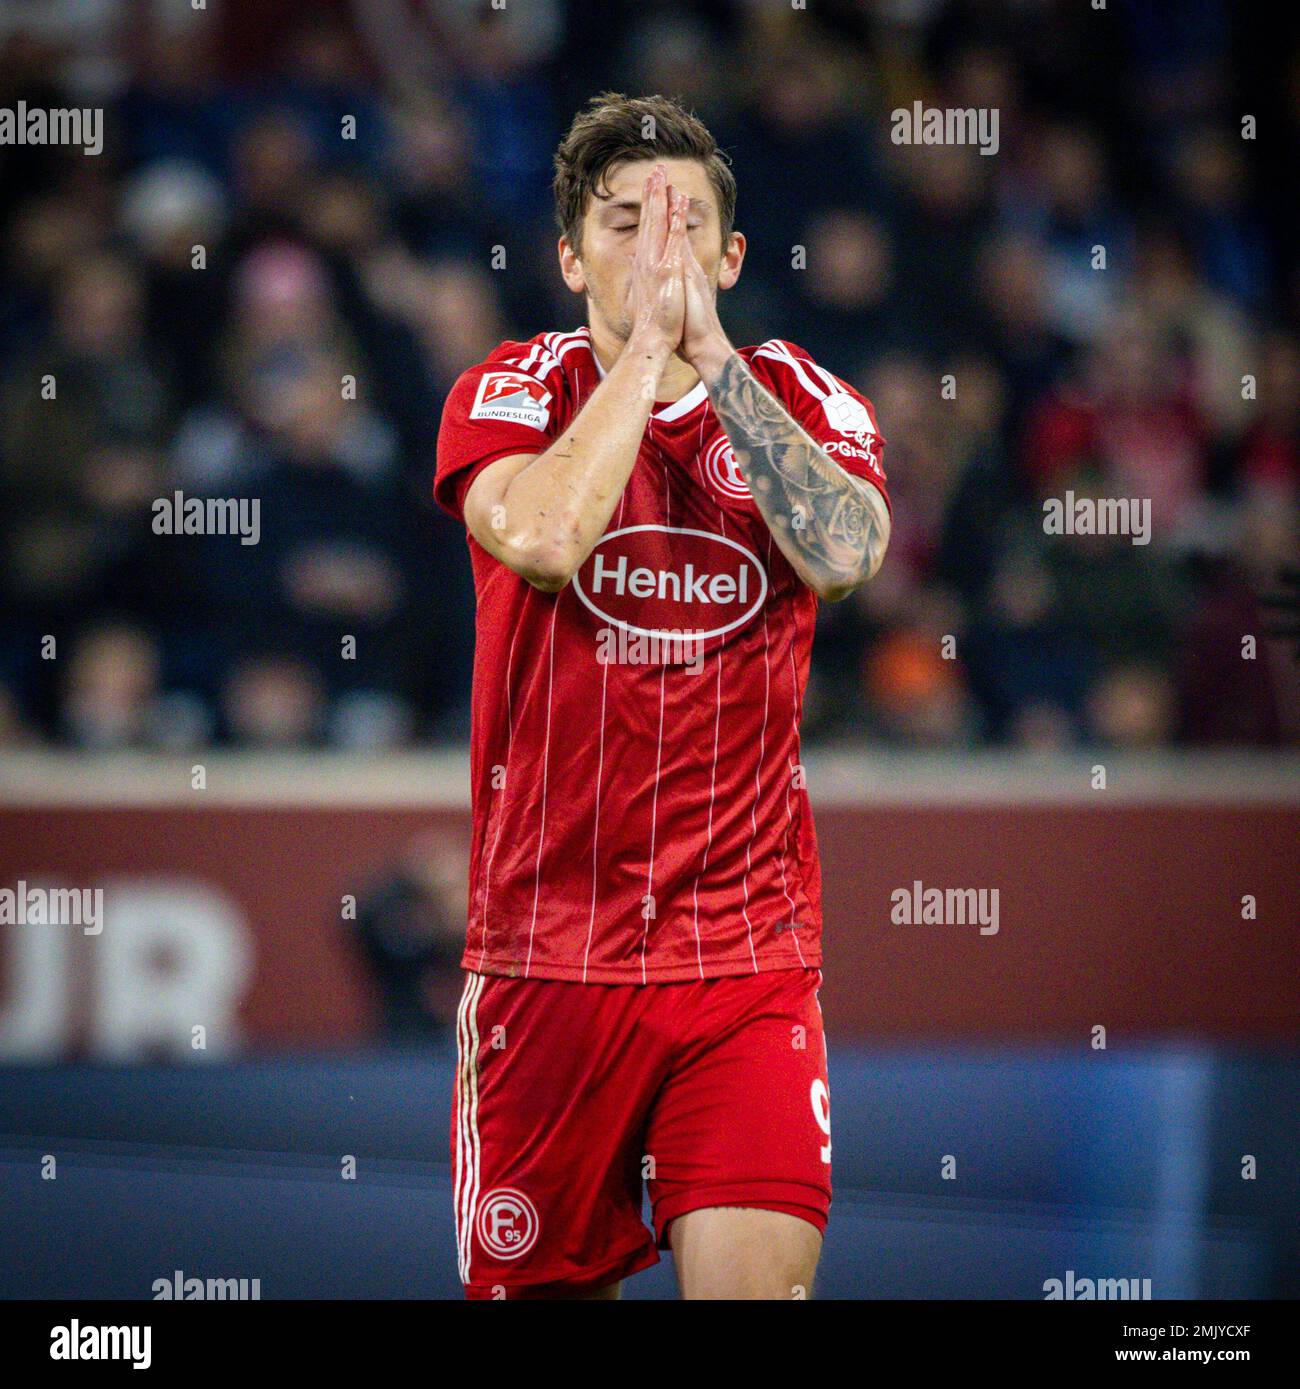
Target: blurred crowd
x: 202, y: 293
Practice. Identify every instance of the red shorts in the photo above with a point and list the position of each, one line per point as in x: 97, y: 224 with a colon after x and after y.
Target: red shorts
x: 569, y: 1096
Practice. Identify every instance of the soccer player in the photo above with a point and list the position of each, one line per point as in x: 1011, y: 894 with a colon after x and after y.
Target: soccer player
x: 653, y: 515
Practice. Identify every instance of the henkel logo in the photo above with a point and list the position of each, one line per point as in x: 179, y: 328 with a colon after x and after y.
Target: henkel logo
x: 507, y: 1223
x: 661, y: 580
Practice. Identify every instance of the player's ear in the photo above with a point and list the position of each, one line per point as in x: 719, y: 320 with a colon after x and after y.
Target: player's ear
x: 571, y: 267
x: 732, y: 259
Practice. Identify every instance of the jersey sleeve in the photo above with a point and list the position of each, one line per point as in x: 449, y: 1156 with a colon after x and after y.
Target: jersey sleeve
x: 836, y: 416
x: 502, y: 406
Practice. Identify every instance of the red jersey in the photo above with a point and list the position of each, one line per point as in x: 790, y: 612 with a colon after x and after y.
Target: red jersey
x: 639, y: 808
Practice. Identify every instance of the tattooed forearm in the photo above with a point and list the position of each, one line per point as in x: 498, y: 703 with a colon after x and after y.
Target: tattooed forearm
x: 831, y: 526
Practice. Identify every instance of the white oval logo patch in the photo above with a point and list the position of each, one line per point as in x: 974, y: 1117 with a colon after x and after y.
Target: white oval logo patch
x: 664, y: 581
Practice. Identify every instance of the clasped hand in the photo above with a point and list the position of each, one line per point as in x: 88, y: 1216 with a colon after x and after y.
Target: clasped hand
x: 671, y: 303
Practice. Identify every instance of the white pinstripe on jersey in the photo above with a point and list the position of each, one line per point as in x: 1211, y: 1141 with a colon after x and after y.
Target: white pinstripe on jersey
x: 647, y: 907
x: 600, y: 772
x: 758, y: 770
x: 717, y: 728
x: 546, y: 765
x: 510, y: 743
x: 468, y: 1152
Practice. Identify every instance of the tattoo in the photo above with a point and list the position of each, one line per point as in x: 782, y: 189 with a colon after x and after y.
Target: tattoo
x: 832, y: 526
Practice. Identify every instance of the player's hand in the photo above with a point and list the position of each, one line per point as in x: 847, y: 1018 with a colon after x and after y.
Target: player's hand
x: 704, y: 344
x: 656, y: 293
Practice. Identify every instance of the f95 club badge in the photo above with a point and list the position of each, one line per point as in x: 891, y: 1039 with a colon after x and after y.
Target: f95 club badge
x: 512, y: 396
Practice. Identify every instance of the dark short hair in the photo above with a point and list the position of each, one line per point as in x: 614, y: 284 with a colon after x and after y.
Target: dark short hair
x: 613, y: 129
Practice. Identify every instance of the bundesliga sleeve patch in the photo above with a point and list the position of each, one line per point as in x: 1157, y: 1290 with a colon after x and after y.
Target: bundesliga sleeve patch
x: 512, y: 396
